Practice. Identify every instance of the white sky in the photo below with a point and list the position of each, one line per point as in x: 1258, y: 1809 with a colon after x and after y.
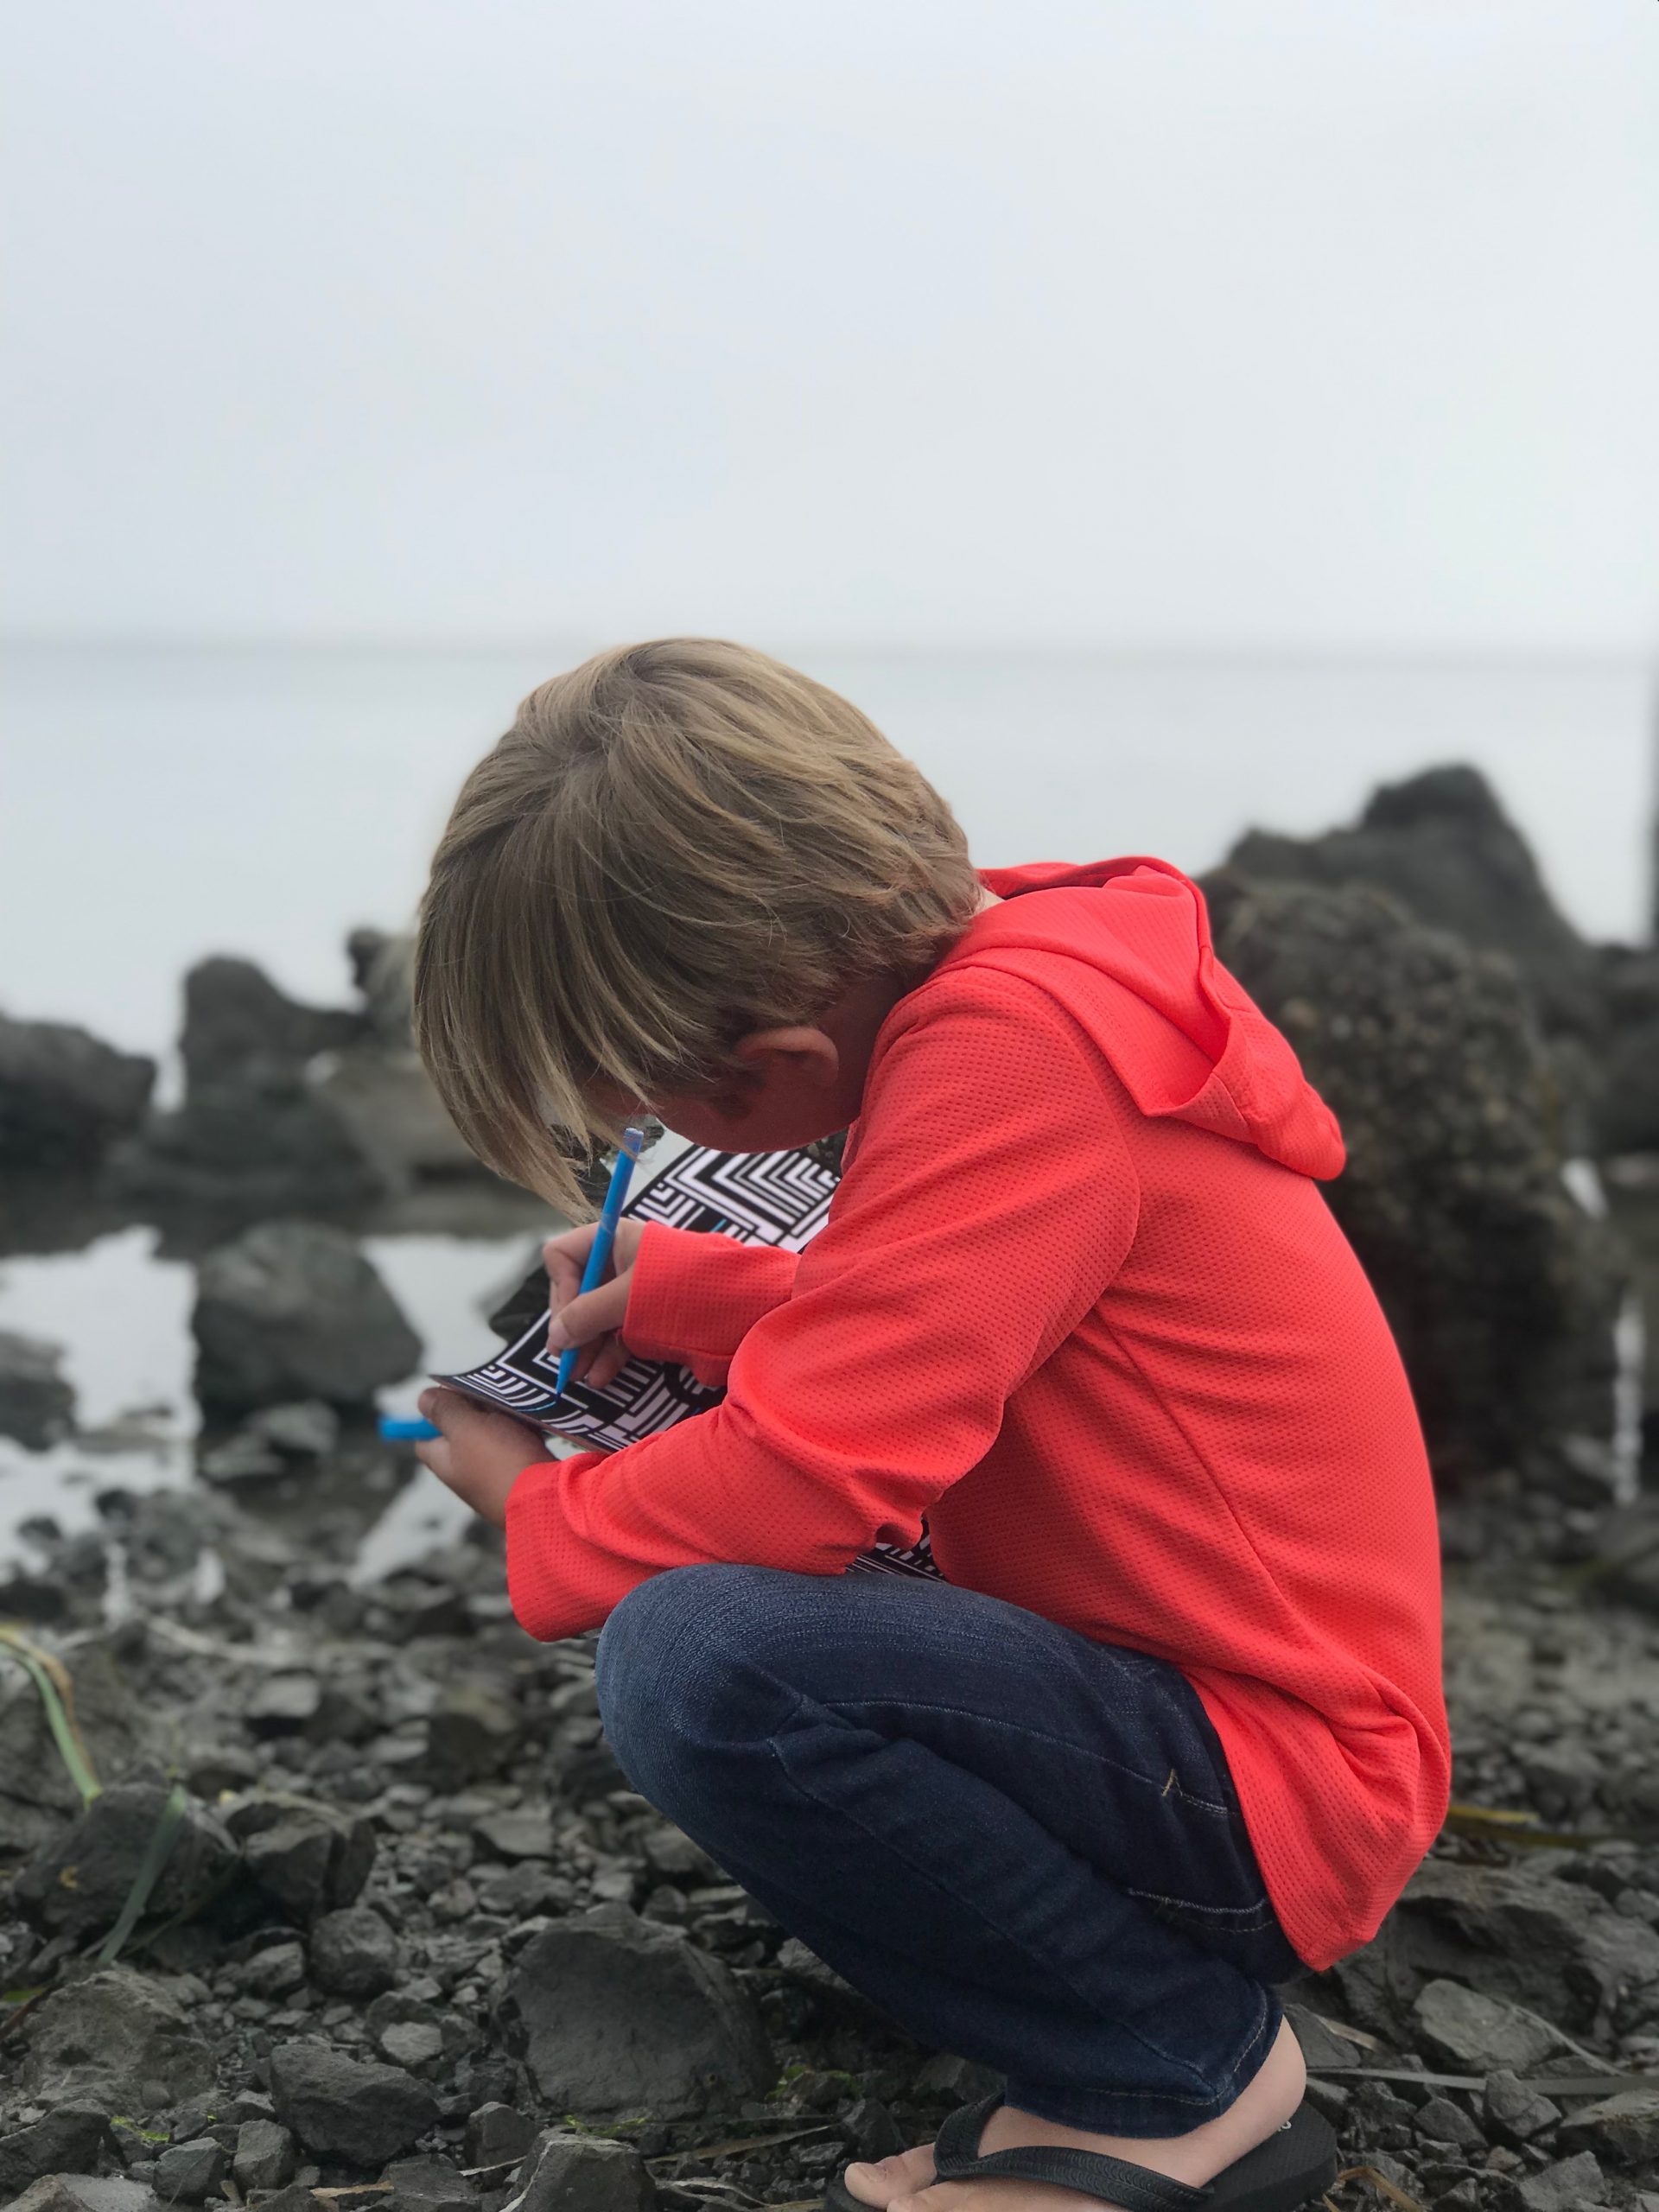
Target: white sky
x: 1136, y: 323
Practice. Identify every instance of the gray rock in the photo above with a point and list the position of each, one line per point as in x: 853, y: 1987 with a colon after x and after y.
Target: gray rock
x: 283, y: 1704
x: 405, y: 2031
x: 240, y: 1458
x: 1502, y: 1291
x: 870, y: 2130
x: 524, y: 1831
x: 294, y: 1310
x: 429, y: 2185
x: 577, y: 2173
x: 1623, y: 2128
x: 79, y: 1885
x: 89, y: 2193
x: 311, y: 1857
x: 265, y: 2155
x: 64, y: 1096
x: 256, y: 1145
x: 1577, y: 2180
x: 186, y: 2172
x: 118, y: 2040
x: 498, y: 2135
x: 275, y: 1972
x: 37, y: 1798
x: 1514, y: 2113
x: 37, y: 1405
x: 614, y: 2015
x: 355, y: 1954
x: 307, y: 1429
x: 349, y: 2107
x: 1480, y: 2033
x: 471, y: 1733
x: 235, y: 1018
x: 1441, y: 2122
x: 70, y: 2139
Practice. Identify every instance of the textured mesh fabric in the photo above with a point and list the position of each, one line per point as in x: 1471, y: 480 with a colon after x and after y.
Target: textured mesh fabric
x: 1079, y: 1302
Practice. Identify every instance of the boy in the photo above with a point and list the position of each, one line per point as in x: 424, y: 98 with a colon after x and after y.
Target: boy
x: 1170, y: 1723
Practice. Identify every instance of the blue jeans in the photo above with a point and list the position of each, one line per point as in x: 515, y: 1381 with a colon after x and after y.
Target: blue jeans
x: 1023, y: 1846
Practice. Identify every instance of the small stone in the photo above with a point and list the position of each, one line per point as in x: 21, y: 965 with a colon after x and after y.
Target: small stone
x: 283, y: 1704
x: 1462, y: 2196
x: 471, y: 1733
x: 89, y: 2193
x: 945, y: 2076
x: 1513, y: 2112
x: 308, y: 1857
x: 579, y: 2173
x: 307, y: 1429
x: 240, y: 1458
x: 1441, y: 2122
x: 78, y: 1883
x: 355, y: 1954
x: 348, y: 2107
x: 1623, y: 2128
x: 189, y: 2171
x: 117, y: 2039
x: 672, y: 1853
x: 1577, y: 2180
x: 870, y: 2130
x: 68, y: 2140
x: 498, y: 2135
x: 275, y: 1972
x: 429, y: 2185
x: 1480, y: 2033
x: 524, y: 1831
x: 405, y: 2029
x: 520, y: 1892
x: 265, y: 2155
x: 37, y: 1405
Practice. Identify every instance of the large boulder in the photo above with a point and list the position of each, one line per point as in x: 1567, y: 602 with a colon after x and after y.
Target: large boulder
x: 1502, y: 1290
x: 236, y: 1018
x: 1443, y: 845
x: 264, y: 1142
x: 613, y: 2014
x: 294, y: 1310
x: 65, y: 1096
x: 117, y: 2039
x: 37, y: 1405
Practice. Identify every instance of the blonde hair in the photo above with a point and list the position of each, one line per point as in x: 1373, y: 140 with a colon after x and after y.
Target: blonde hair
x: 674, y: 843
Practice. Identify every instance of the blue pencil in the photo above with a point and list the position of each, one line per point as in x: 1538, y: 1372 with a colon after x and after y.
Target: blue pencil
x: 394, y: 1431
x: 599, y: 1255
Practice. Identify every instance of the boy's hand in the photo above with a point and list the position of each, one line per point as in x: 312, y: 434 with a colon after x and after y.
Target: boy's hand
x: 594, y: 1321
x: 480, y: 1455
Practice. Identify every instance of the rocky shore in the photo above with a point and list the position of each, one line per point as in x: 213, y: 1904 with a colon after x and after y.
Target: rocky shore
x: 319, y: 1890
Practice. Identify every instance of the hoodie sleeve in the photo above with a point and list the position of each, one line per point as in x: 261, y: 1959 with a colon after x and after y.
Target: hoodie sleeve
x: 988, y: 1202
x: 695, y: 1297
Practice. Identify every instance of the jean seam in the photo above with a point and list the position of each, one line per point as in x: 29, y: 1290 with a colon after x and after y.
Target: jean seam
x: 885, y: 1843
x: 1248, y: 1919
x: 1037, y: 1735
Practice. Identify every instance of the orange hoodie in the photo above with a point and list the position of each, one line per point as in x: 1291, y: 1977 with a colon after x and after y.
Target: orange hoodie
x: 1079, y: 1302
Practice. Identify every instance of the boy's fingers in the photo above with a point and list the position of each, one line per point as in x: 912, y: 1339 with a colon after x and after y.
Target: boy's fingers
x: 594, y: 1313
x: 612, y: 1358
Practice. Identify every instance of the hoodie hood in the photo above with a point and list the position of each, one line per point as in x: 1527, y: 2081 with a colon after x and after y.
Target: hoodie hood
x: 1124, y: 946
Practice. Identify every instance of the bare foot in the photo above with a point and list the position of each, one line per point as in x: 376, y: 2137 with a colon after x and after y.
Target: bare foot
x: 906, y: 2183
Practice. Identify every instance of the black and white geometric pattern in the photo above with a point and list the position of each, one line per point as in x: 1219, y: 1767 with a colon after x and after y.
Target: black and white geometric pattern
x: 781, y: 1199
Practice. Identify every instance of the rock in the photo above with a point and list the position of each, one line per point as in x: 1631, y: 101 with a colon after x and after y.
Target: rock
x: 1623, y: 2128
x: 355, y: 1954
x: 235, y: 1018
x: 351, y: 2108
x: 240, y: 1458
x: 294, y: 1310
x: 265, y: 2155
x: 471, y: 1733
x: 405, y: 2032
x: 1577, y: 2180
x: 385, y: 1098
x: 309, y: 1430
x: 870, y: 2130
x: 1442, y: 845
x: 254, y: 1147
x: 1502, y: 1290
x: 945, y: 2076
x: 1514, y: 2113
x: 427, y: 2185
x: 37, y: 1798
x: 520, y: 1891
x: 1480, y: 2033
x: 1441, y: 2122
x: 283, y: 1704
x: 620, y: 2015
x: 311, y: 1857
x: 498, y: 2135
x: 524, y: 1831
x: 1556, y: 1947
x: 186, y: 2172
x: 64, y: 1096
x: 579, y: 2173
x: 37, y: 1406
x: 90, y: 2193
x: 71, y: 2140
x: 276, y: 1971
x: 117, y: 2040
x: 78, y: 1885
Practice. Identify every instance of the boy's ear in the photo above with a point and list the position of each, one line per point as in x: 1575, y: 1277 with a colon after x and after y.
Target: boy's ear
x: 806, y: 1055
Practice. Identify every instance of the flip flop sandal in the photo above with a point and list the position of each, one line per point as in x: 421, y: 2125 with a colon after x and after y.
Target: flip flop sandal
x: 1298, y: 2162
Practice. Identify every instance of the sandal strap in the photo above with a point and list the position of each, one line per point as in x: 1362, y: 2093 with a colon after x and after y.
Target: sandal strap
x: 1092, y: 2173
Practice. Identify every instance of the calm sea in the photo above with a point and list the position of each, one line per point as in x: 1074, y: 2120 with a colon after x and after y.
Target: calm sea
x: 157, y: 804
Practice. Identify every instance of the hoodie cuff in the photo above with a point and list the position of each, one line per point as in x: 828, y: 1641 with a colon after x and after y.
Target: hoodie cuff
x: 695, y: 1296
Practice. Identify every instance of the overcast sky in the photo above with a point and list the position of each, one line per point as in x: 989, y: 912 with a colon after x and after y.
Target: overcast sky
x: 1136, y: 323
